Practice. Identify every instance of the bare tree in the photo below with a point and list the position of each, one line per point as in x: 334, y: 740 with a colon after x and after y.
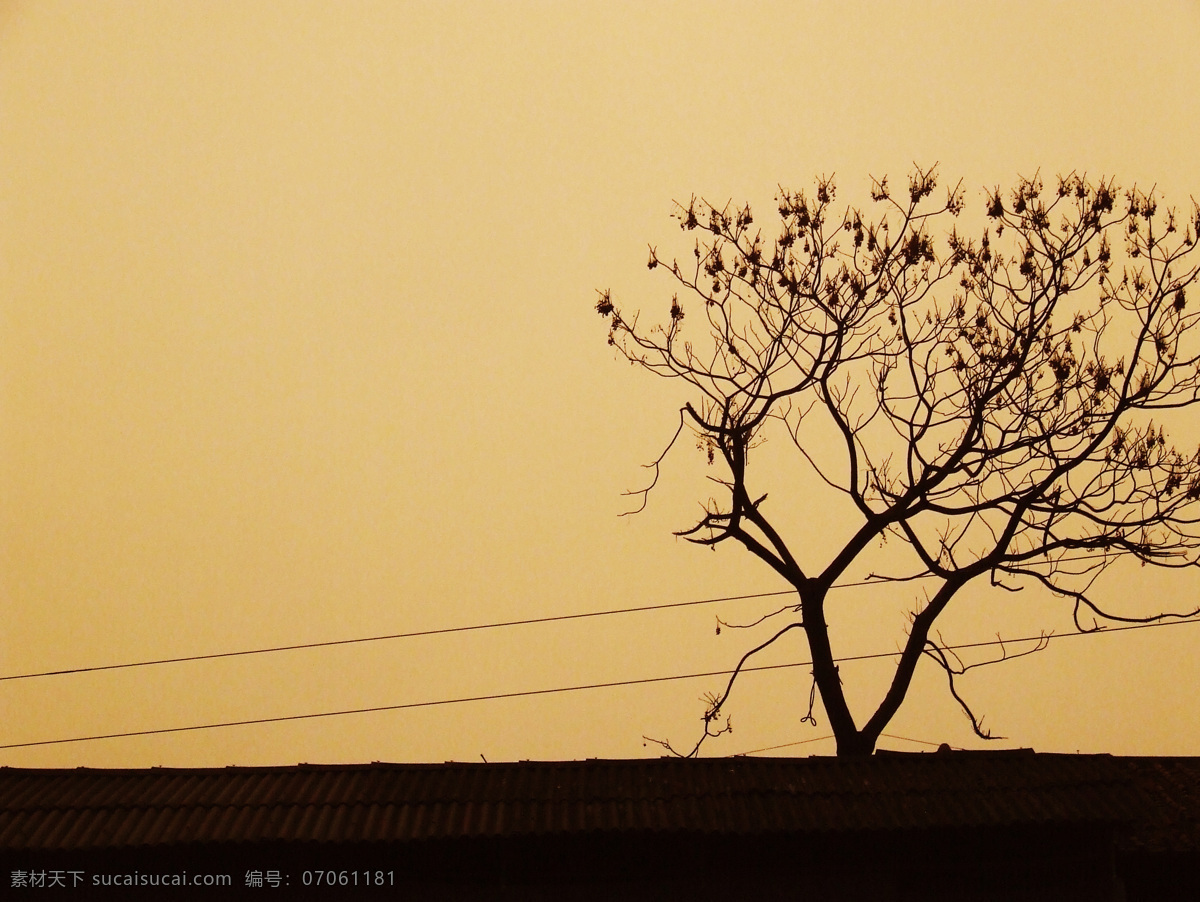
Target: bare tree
x: 993, y: 398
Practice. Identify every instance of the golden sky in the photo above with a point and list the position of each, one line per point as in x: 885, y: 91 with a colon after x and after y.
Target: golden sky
x: 297, y: 343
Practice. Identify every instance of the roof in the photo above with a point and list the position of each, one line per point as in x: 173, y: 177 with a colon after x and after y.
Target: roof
x: 1169, y: 817
x: 112, y: 809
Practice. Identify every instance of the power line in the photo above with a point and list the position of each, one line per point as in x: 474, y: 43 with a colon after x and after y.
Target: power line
x: 447, y: 701
x: 443, y: 631
x: 918, y: 741
x: 788, y: 745
x: 413, y: 635
x: 907, y: 739
x: 534, y: 692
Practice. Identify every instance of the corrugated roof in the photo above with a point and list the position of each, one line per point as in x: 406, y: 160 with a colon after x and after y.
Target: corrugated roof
x: 1169, y: 819
x: 92, y: 808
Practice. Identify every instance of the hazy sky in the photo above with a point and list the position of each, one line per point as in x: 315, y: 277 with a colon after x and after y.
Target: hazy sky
x: 298, y: 343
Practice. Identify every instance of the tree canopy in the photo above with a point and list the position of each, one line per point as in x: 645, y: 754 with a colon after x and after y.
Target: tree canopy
x: 996, y: 397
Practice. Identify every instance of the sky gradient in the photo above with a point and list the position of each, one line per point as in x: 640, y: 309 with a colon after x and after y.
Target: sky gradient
x: 298, y: 343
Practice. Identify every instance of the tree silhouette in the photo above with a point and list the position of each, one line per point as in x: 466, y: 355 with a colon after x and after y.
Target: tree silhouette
x: 993, y: 399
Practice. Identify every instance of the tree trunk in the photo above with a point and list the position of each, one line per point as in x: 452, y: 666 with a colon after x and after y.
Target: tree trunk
x: 851, y: 741
x: 854, y: 745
